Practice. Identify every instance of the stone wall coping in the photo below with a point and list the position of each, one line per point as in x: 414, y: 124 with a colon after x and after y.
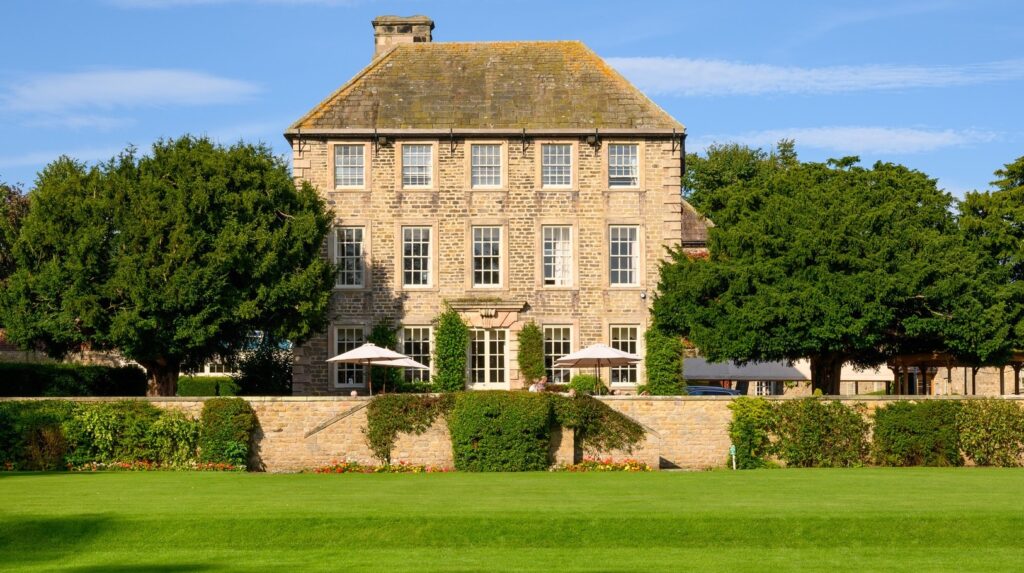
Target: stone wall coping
x: 358, y: 399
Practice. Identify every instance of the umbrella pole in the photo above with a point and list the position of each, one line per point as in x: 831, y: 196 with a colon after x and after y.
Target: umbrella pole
x: 369, y: 377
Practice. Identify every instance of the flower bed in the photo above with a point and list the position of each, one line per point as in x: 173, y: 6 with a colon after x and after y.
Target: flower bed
x: 347, y: 467
x: 605, y: 465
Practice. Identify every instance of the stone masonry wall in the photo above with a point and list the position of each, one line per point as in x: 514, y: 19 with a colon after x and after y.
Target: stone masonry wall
x: 299, y: 433
x: 451, y: 207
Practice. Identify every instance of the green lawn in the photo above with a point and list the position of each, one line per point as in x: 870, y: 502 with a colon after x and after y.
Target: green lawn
x: 781, y: 520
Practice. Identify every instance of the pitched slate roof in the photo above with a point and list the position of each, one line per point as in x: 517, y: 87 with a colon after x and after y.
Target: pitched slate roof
x: 488, y: 85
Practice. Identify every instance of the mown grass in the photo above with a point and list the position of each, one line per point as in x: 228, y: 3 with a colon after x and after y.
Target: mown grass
x: 966, y: 519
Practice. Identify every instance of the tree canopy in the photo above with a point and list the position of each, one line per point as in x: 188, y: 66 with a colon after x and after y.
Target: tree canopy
x: 170, y: 258
x: 833, y: 262
x: 13, y: 207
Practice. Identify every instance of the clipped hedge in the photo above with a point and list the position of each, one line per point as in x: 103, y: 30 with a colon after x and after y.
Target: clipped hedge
x: 917, y: 434
x: 207, y: 386
x: 991, y: 432
x: 815, y: 433
x: 496, y: 431
x: 226, y: 429
x: 32, y: 434
x: 29, y: 380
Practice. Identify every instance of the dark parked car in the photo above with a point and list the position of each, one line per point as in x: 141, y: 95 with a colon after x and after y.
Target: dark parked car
x: 711, y: 391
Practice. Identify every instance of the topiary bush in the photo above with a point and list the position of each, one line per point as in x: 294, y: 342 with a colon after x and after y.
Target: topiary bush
x: 497, y: 431
x: 750, y: 430
x: 991, y: 432
x: 56, y: 380
x: 588, y: 384
x: 664, y: 364
x: 451, y: 341
x: 917, y: 434
x: 531, y: 353
x: 226, y: 429
x: 391, y: 414
x: 817, y: 433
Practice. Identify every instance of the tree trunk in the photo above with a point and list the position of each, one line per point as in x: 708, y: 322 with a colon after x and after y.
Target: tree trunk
x: 162, y: 379
x: 825, y: 373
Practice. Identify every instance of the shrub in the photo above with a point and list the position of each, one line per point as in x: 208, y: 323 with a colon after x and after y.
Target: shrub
x: 207, y: 386
x: 531, y: 353
x: 266, y: 370
x: 817, y: 433
x: 226, y: 429
x: 664, y: 363
x: 917, y: 434
x: 451, y: 341
x: 55, y: 380
x: 173, y: 438
x: 32, y: 435
x: 992, y: 432
x: 107, y: 432
x: 588, y: 384
x: 500, y: 431
x: 597, y: 427
x: 750, y: 430
x: 391, y: 414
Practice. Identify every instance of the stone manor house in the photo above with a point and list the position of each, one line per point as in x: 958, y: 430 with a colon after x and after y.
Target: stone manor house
x: 514, y: 181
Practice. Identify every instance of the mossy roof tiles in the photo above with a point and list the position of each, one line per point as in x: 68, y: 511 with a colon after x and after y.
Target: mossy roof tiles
x: 488, y: 85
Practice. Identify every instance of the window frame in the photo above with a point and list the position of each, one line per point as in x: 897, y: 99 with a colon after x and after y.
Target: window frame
x: 399, y: 263
x: 572, y: 345
x: 542, y: 257
x: 334, y: 367
x: 638, y: 343
x: 429, y: 373
x: 503, y: 271
x: 431, y: 242
x: 332, y: 168
x: 336, y: 256
x: 641, y: 150
x: 640, y: 268
x: 539, y: 161
x: 502, y: 157
x: 400, y: 166
x: 332, y: 251
x: 489, y: 385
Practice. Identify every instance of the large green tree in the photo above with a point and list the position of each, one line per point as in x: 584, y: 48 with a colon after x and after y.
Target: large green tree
x: 13, y: 208
x: 171, y: 258
x: 832, y: 262
x: 994, y: 221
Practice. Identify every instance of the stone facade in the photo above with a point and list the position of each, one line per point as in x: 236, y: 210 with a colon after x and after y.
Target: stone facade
x: 396, y: 94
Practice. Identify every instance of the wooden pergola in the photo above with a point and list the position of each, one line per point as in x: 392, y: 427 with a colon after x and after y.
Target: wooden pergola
x: 903, y: 365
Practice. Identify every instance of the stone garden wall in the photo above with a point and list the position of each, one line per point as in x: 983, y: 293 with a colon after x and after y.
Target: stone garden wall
x: 305, y: 432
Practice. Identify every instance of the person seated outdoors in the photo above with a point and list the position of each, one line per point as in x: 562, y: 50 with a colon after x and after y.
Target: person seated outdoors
x: 539, y: 385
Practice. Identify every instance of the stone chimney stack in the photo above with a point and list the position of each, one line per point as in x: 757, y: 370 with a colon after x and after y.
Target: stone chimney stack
x: 389, y: 31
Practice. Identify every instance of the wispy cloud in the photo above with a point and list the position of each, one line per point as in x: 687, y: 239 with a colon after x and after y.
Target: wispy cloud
x: 57, y: 93
x: 859, y: 14
x: 40, y: 158
x: 80, y: 121
x: 858, y: 140
x: 177, y: 3
x: 697, y: 77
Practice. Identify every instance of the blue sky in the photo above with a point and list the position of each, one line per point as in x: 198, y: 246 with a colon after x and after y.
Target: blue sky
x: 932, y: 84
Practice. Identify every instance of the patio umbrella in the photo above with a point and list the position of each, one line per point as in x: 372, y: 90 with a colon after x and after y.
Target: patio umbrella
x: 400, y: 363
x: 597, y: 356
x: 366, y: 355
